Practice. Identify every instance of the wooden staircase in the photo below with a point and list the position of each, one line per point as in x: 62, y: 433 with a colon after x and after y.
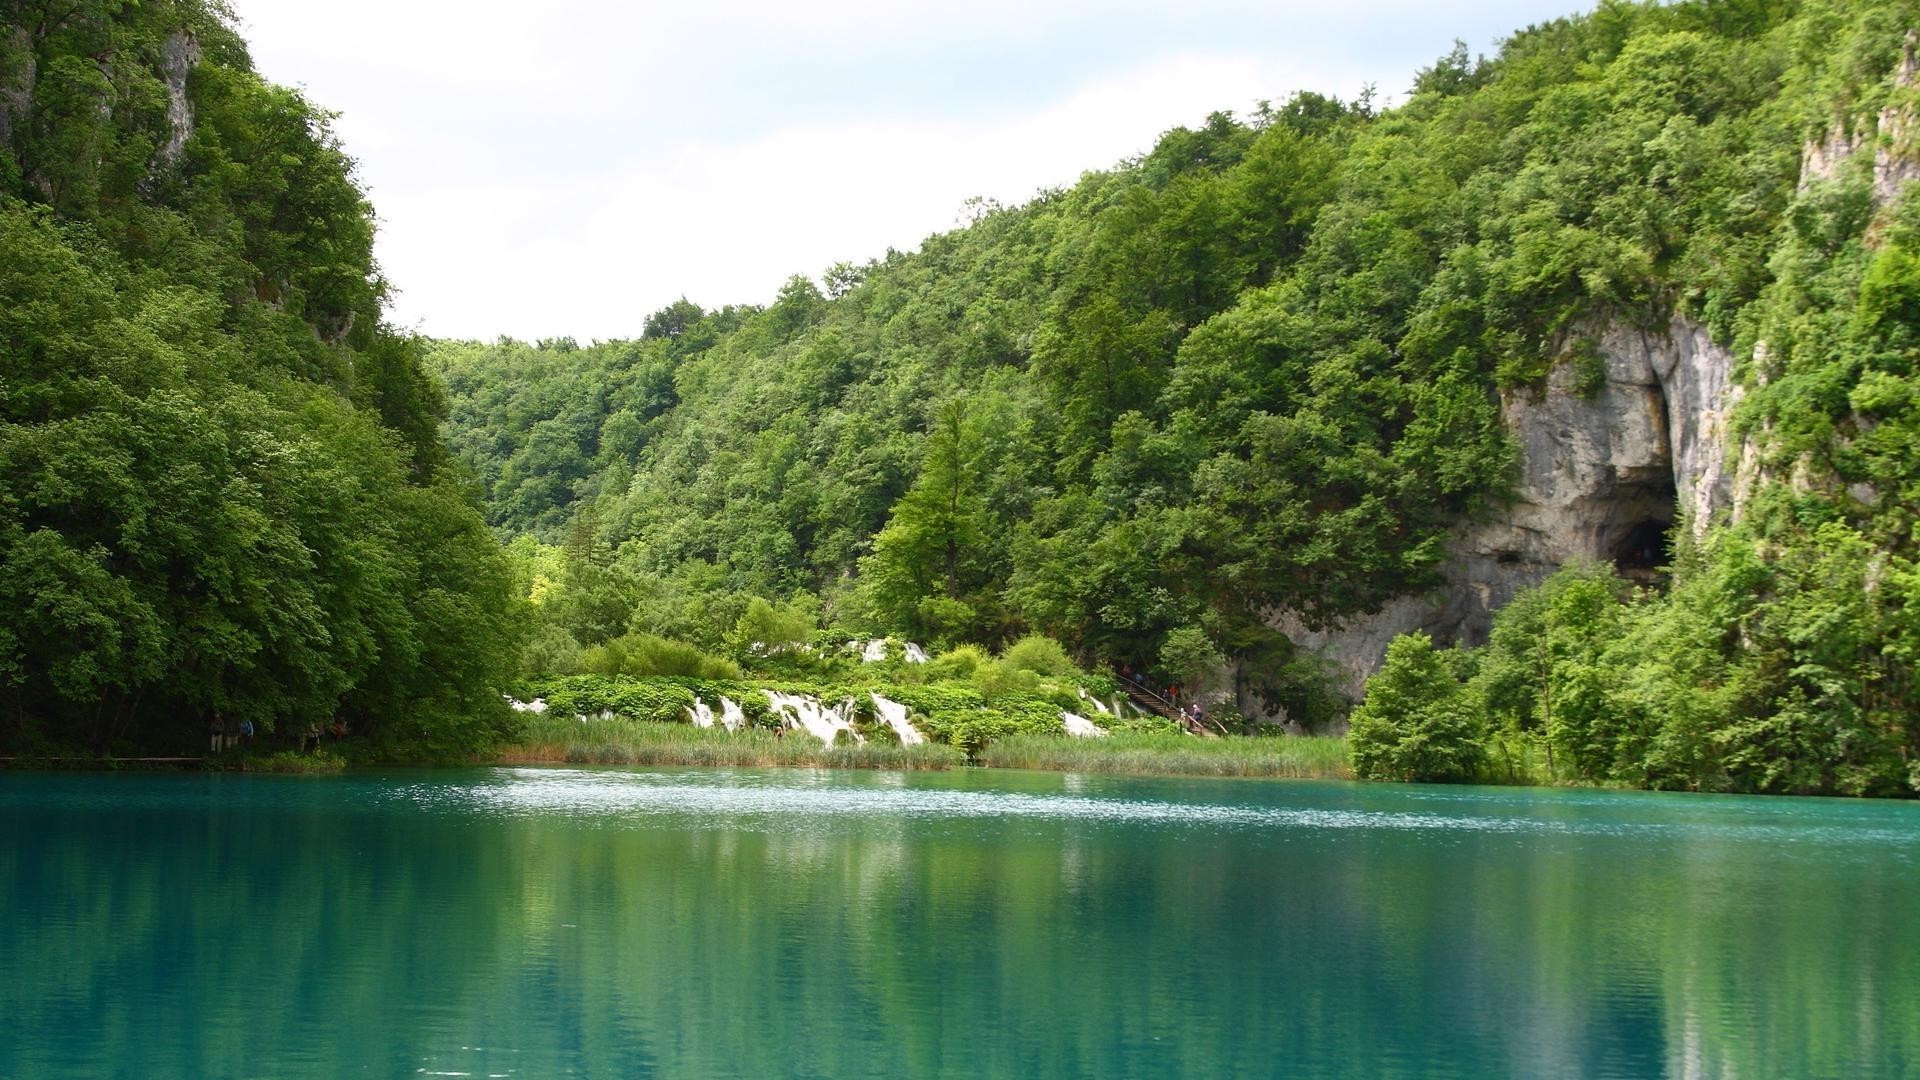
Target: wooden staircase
x: 1160, y: 706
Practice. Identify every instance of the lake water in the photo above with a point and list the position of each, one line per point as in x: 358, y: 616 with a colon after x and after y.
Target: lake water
x: 680, y: 923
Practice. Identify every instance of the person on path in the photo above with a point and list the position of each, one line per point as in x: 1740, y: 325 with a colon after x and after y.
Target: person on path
x: 246, y: 733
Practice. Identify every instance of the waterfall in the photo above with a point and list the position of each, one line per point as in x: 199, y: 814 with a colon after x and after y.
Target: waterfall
x: 916, y: 654
x: 1098, y: 705
x: 895, y: 714
x: 819, y: 721
x: 536, y: 706
x: 701, y: 714
x: 731, y: 717
x: 875, y: 651
x: 1080, y: 726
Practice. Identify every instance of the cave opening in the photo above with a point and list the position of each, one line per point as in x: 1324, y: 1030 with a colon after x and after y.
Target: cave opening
x: 1645, y: 550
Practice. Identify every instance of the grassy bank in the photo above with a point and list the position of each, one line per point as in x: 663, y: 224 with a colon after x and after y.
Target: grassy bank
x: 617, y: 742
x: 1175, y: 755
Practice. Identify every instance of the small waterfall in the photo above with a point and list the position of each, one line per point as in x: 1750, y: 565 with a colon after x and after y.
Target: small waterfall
x: 536, y: 706
x: 1080, y: 727
x: 1098, y: 705
x: 819, y: 721
x: 731, y: 717
x: 701, y: 714
x: 916, y: 654
x: 875, y: 651
x: 895, y: 714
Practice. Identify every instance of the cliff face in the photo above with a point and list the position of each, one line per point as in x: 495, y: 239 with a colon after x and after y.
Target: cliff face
x: 1605, y: 470
x: 1605, y: 473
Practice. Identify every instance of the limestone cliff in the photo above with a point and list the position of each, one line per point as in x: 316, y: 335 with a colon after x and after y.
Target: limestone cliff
x: 1608, y: 467
x: 1605, y: 470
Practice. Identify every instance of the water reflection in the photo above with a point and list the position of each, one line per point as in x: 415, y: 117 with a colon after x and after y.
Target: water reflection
x: 726, y: 923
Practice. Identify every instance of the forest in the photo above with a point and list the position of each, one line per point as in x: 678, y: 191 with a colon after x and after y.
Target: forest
x: 223, y: 493
x: 1256, y: 370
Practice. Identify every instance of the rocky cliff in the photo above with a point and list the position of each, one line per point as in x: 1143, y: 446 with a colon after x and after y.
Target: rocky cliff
x: 1607, y: 466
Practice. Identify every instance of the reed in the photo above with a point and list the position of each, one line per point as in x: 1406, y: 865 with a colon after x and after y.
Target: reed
x: 1301, y: 756
x: 622, y: 742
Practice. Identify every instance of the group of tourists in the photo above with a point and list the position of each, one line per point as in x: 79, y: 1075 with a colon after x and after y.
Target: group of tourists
x: 1192, y: 714
x: 226, y: 735
x: 310, y: 739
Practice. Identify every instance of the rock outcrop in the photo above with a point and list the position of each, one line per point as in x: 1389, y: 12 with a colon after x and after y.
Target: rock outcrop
x: 1605, y: 471
x: 1605, y: 474
x: 19, y: 73
x: 177, y: 58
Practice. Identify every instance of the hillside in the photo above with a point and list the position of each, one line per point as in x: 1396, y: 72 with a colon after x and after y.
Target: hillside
x: 223, y: 496
x: 1293, y: 383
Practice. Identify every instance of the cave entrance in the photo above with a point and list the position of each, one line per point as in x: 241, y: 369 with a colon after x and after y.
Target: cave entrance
x: 1645, y: 550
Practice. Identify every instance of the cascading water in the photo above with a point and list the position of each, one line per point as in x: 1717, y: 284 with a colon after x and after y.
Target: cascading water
x: 731, y: 717
x: 895, y: 714
x: 701, y: 714
x: 536, y: 706
x: 820, y: 721
x: 1098, y: 705
x: 875, y: 651
x: 1080, y: 726
x: 916, y: 654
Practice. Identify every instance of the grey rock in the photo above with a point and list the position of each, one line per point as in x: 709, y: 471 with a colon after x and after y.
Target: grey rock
x: 177, y: 57
x: 1602, y: 476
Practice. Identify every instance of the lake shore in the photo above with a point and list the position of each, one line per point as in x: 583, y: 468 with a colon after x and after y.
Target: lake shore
x: 1142, y: 755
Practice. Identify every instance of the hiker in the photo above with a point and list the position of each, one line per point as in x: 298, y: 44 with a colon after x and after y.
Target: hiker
x: 246, y: 733
x: 312, y: 736
x: 1199, y: 715
x: 217, y: 732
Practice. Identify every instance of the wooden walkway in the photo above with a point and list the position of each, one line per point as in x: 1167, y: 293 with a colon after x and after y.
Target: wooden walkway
x: 108, y: 760
x: 1159, y: 706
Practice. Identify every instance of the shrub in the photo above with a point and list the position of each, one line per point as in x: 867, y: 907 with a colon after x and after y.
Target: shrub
x: 959, y: 664
x: 1417, y: 722
x: 641, y: 655
x: 1039, y: 654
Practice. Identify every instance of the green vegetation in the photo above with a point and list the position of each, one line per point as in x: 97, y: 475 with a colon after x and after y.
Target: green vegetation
x: 222, y: 493
x: 1174, y: 754
x: 1256, y: 370
x: 1758, y: 671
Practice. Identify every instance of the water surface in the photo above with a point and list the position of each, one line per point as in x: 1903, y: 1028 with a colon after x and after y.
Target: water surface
x: 683, y: 923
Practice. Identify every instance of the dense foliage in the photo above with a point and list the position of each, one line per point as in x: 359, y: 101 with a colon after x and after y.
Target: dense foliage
x: 1256, y: 369
x: 1780, y: 655
x: 222, y: 492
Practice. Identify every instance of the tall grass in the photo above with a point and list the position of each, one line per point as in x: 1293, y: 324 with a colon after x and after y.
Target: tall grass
x: 552, y: 738
x: 1304, y: 756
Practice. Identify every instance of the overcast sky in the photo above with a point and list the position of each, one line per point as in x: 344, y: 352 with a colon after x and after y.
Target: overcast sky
x: 566, y: 167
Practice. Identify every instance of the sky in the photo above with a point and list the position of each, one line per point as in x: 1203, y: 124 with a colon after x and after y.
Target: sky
x: 567, y: 167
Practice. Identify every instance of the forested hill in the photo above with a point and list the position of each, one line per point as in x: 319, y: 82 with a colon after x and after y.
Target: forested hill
x: 1258, y: 369
x: 222, y: 491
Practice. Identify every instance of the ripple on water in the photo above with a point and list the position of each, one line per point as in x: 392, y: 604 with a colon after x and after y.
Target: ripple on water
x: 771, y: 796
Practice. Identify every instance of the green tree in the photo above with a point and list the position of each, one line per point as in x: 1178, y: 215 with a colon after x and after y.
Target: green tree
x: 1417, y: 722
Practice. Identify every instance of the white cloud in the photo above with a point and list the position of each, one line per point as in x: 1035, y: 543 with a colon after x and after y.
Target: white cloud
x: 567, y: 167
x: 590, y: 255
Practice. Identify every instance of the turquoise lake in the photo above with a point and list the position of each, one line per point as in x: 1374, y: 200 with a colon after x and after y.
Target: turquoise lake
x: 756, y: 923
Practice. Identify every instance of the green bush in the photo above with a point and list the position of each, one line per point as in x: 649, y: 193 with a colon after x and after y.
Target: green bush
x: 958, y: 664
x: 1039, y: 654
x: 1417, y: 722
x: 641, y: 655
